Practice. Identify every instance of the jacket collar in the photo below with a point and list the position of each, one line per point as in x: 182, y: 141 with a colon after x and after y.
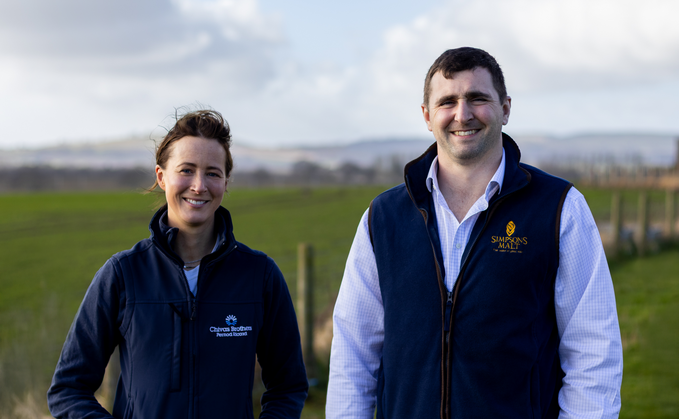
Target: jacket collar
x: 415, y: 172
x: 164, y: 235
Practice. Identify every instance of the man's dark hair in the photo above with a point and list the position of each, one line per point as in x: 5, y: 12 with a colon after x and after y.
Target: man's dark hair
x: 461, y: 59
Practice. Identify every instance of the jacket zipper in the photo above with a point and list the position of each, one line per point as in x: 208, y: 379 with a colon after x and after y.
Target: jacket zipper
x: 449, y: 307
x: 192, y: 335
x: 446, y: 353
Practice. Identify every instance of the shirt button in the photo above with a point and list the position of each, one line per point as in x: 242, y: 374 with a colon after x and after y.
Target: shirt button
x: 457, y: 245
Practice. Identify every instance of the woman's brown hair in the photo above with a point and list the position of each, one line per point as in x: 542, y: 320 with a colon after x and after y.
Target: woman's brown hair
x: 204, y: 123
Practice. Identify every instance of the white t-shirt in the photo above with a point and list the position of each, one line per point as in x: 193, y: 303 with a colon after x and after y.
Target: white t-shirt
x: 192, y: 278
x: 192, y: 275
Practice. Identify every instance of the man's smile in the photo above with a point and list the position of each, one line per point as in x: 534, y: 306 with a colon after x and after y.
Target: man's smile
x: 466, y: 133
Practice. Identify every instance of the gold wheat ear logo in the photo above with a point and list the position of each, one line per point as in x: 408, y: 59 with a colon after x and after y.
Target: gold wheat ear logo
x: 510, y: 228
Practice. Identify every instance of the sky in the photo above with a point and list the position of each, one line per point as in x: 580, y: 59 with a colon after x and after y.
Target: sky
x: 293, y: 72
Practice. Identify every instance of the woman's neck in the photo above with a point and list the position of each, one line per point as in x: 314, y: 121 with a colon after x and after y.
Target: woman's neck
x: 194, y: 243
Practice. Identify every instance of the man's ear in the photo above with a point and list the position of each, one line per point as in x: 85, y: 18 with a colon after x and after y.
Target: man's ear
x: 506, y: 108
x: 425, y: 114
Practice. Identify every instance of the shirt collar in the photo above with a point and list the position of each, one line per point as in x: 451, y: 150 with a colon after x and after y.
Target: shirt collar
x: 494, y: 186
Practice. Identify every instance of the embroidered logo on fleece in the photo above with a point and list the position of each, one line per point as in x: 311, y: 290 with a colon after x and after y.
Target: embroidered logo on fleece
x: 508, y: 243
x: 231, y: 330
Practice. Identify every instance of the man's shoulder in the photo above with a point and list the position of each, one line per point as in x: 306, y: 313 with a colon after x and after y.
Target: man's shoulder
x: 542, y: 177
x: 393, y: 197
x: 391, y: 206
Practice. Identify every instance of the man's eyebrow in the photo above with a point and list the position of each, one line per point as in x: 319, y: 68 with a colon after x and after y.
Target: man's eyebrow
x: 473, y: 94
x: 448, y: 98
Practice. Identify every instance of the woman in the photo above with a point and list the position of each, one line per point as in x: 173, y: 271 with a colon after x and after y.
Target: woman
x: 189, y: 307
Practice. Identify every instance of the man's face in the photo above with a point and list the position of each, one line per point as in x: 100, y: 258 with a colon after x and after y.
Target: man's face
x: 465, y: 115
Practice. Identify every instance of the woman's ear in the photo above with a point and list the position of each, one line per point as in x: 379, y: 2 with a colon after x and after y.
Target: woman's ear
x: 159, y: 177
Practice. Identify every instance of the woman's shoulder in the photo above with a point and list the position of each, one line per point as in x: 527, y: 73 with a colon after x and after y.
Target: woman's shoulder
x: 139, y: 249
x: 242, y: 247
x: 257, y: 257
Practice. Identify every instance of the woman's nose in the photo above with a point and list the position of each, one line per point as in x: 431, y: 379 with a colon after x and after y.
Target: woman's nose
x: 199, y: 184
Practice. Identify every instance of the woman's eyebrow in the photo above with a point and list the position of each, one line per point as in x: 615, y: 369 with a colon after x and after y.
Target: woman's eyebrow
x: 214, y: 168
x: 194, y: 165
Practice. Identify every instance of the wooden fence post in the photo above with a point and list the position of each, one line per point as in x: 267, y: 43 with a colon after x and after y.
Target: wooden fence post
x: 642, y: 223
x: 305, y: 313
x: 616, y: 222
x: 670, y: 214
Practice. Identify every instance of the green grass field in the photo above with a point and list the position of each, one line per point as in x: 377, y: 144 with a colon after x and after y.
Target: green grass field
x: 647, y: 294
x: 52, y: 244
x: 600, y: 203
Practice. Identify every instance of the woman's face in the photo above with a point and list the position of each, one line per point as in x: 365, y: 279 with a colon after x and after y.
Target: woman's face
x: 194, y: 181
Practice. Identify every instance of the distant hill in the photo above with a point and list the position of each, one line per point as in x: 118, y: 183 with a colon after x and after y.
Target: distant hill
x: 656, y: 150
x: 139, y: 152
x: 117, y: 154
x: 618, y: 149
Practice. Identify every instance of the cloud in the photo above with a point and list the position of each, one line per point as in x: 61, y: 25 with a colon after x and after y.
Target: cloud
x: 621, y: 37
x: 552, y: 44
x: 152, y: 39
x: 102, y: 69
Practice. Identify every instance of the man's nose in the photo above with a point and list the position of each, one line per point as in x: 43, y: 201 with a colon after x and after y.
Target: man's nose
x: 463, y: 113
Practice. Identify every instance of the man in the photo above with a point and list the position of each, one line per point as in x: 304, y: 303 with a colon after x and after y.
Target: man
x: 478, y: 288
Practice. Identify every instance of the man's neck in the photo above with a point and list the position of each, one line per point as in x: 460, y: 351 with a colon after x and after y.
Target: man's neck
x: 462, y: 184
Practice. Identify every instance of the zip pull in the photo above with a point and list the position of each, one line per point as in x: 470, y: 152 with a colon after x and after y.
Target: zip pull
x: 193, y: 309
x: 449, y: 306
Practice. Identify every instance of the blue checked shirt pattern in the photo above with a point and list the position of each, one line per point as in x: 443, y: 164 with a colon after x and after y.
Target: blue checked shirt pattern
x: 590, y: 348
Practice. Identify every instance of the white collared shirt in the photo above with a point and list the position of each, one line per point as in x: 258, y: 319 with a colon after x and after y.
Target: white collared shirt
x: 454, y: 234
x: 590, y: 349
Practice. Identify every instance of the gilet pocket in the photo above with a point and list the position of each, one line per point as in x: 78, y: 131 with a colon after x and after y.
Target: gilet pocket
x: 129, y: 409
x: 380, y: 414
x: 535, y: 391
x: 175, y: 367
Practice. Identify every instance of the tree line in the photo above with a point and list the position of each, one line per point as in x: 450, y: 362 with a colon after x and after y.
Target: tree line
x: 302, y: 173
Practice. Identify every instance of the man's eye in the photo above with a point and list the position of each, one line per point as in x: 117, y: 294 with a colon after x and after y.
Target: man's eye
x: 479, y: 101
